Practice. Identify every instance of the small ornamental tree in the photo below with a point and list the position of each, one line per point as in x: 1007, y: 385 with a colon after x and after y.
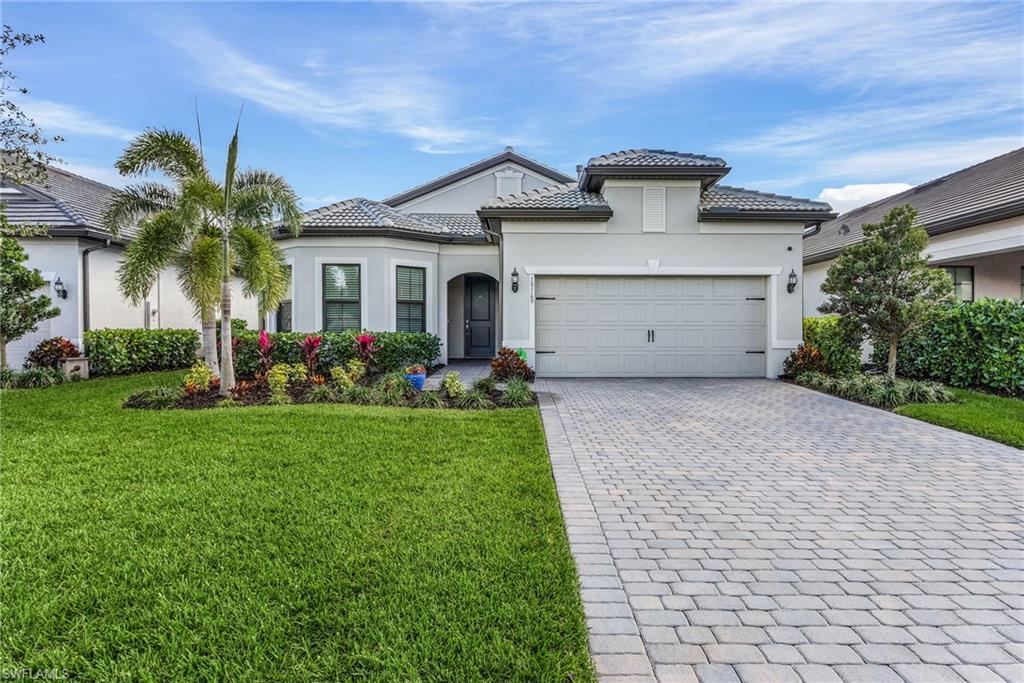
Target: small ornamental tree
x: 20, y: 310
x: 884, y: 284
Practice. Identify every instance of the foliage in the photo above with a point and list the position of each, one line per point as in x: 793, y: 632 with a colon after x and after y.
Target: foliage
x: 362, y: 395
x: 804, y: 358
x: 452, y: 385
x: 838, y: 341
x: 429, y: 399
x: 969, y: 344
x: 366, y: 348
x: 21, y: 310
x: 884, y: 284
x: 510, y: 365
x: 38, y: 378
x: 156, y: 398
x: 198, y: 379
x: 114, y: 351
x: 351, y: 374
x: 992, y: 417
x: 21, y: 140
x: 416, y: 370
x: 395, y: 389
x: 7, y: 378
x: 245, y: 391
x: 310, y: 350
x: 263, y: 347
x: 474, y: 400
x: 517, y: 394
x: 320, y: 393
x: 877, y: 390
x: 49, y: 353
x: 277, y: 380
x: 485, y: 385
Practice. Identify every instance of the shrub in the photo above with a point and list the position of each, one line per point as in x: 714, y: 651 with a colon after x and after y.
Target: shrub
x: 121, y: 351
x: 263, y: 347
x: 7, y: 378
x: 517, y: 394
x: 364, y: 396
x: 888, y: 394
x: 429, y: 399
x: 39, y: 378
x: 277, y: 381
x: 366, y: 348
x: 198, y: 379
x: 509, y: 365
x: 310, y: 352
x: 485, y: 385
x: 49, y: 353
x: 970, y: 344
x: 805, y: 358
x: 394, y: 389
x: 452, y: 385
x: 320, y: 393
x: 474, y: 400
x: 877, y: 390
x: 245, y: 392
x: 156, y: 398
x: 838, y: 341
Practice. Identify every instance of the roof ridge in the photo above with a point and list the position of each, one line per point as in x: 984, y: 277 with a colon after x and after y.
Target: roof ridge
x: 71, y: 211
x: 650, y: 150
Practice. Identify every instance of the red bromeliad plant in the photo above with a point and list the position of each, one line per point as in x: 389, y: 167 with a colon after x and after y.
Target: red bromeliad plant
x: 366, y: 348
x: 311, y: 347
x: 264, y: 346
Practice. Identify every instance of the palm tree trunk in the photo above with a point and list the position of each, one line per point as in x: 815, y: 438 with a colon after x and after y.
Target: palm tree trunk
x: 891, y: 369
x: 227, y: 363
x: 3, y: 353
x: 210, y: 343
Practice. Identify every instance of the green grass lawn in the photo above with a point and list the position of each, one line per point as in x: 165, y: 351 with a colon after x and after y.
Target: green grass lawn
x: 322, y: 542
x: 993, y: 417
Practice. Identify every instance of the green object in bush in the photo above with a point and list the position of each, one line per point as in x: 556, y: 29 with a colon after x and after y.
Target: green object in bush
x: 114, y: 351
x: 838, y: 341
x: 970, y: 344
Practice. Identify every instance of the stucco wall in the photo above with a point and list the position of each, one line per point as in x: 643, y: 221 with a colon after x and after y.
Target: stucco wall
x: 468, y: 195
x: 619, y: 246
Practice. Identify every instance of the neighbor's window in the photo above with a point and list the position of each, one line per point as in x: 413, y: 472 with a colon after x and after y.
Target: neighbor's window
x: 284, y: 310
x: 342, y: 310
x: 411, y: 293
x: 963, y: 282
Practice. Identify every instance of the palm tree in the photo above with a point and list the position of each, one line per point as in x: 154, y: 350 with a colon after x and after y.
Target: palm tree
x: 209, y: 231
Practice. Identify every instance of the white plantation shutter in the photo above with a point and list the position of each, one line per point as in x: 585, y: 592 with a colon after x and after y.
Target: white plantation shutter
x: 654, y: 209
x: 411, y: 293
x: 342, y: 310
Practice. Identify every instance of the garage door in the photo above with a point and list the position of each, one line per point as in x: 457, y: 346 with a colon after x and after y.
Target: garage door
x: 650, y: 326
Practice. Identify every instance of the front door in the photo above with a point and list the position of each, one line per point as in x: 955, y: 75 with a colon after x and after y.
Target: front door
x: 480, y: 305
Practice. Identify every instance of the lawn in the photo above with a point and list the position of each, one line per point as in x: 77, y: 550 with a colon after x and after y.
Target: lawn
x: 325, y: 542
x: 992, y: 417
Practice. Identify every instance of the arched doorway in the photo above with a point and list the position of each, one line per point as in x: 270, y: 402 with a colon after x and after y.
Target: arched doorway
x: 472, y: 316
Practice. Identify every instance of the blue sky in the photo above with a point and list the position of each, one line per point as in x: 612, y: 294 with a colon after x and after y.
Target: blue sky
x: 370, y: 99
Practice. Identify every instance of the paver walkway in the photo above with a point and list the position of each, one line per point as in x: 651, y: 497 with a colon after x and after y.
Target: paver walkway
x: 750, y: 530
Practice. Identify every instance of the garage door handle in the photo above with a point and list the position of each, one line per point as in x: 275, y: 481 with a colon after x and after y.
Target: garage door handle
x: 544, y: 298
x: 755, y: 298
x: 540, y: 352
x: 754, y: 352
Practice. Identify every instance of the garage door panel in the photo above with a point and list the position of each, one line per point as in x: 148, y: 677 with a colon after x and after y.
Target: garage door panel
x: 600, y: 326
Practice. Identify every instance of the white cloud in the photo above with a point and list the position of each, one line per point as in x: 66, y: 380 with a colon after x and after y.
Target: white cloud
x: 66, y: 118
x: 849, y: 197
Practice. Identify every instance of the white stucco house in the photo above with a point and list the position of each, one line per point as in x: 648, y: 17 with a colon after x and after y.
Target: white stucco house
x: 79, y: 261
x: 975, y: 222
x: 642, y: 265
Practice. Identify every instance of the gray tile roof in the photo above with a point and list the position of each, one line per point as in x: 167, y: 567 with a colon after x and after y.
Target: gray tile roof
x: 655, y: 158
x: 991, y: 190
x: 564, y: 196
x: 63, y: 200
x: 359, y: 214
x: 741, y: 199
x: 466, y: 224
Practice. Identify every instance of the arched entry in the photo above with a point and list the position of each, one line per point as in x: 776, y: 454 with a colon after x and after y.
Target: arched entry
x: 472, y: 316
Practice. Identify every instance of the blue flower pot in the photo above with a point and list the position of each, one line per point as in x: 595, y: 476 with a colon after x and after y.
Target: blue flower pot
x: 417, y: 381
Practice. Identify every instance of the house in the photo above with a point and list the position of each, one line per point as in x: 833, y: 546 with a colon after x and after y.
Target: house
x: 642, y: 265
x: 78, y: 259
x: 975, y: 222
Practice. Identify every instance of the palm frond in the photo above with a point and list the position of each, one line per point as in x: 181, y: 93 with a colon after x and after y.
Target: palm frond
x: 199, y: 274
x: 158, y: 243
x: 128, y: 205
x: 263, y: 199
x: 167, y: 151
x: 231, y: 166
x: 260, y: 265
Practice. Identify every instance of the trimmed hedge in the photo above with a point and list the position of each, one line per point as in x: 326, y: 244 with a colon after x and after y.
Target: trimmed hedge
x: 396, y: 350
x: 838, y: 342
x: 971, y: 344
x: 114, y: 351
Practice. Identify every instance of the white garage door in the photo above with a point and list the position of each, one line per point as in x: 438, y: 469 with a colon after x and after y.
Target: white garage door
x: 650, y: 326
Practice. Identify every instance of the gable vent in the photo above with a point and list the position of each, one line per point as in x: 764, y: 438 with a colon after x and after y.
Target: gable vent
x: 654, y: 209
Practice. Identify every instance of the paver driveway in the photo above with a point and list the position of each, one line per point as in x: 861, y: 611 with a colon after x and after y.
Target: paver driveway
x: 752, y: 530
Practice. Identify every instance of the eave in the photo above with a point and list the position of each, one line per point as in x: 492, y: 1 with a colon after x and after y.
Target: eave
x: 593, y: 177
x: 394, y: 233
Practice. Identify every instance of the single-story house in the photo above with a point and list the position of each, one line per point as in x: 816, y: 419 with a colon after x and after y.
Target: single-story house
x: 642, y: 265
x: 975, y: 222
x: 79, y: 259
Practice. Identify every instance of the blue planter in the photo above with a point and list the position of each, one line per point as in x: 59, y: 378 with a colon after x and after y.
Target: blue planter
x: 417, y: 381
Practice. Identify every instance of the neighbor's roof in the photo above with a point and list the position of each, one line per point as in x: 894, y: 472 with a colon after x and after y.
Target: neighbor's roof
x: 509, y: 155
x: 655, y: 158
x: 365, y: 216
x: 64, y: 202
x: 986, y: 192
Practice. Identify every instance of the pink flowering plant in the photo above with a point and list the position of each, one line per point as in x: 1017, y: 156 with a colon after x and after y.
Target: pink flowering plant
x: 366, y: 348
x: 264, y: 346
x: 311, y: 348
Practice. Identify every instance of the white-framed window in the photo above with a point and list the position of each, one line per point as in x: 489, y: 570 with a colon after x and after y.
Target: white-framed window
x: 963, y: 282
x: 342, y: 297
x: 283, y: 318
x: 410, y: 299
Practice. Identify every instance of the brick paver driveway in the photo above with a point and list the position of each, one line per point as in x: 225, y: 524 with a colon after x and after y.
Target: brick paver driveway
x: 751, y: 530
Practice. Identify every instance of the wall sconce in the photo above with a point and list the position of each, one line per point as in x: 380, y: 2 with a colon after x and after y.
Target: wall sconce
x: 58, y: 287
x: 515, y: 280
x: 791, y: 285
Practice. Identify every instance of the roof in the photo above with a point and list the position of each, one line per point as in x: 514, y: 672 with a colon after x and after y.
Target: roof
x: 655, y: 157
x: 733, y: 199
x: 563, y: 196
x: 64, y: 202
x: 365, y: 216
x: 989, y: 191
x: 651, y: 163
x: 509, y: 155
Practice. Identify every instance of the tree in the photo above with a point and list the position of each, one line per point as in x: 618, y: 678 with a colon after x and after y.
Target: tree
x: 21, y: 140
x: 210, y: 231
x: 884, y: 284
x: 20, y: 310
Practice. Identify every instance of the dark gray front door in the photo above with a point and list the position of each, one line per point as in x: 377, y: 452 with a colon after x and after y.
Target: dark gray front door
x: 480, y: 304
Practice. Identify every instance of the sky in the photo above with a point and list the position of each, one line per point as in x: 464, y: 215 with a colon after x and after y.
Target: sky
x: 840, y: 101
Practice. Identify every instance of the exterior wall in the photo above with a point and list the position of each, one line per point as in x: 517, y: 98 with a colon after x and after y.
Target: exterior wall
x: 469, y: 194
x: 687, y: 247
x: 456, y: 303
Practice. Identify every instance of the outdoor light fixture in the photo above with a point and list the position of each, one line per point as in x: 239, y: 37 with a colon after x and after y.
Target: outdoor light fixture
x: 515, y: 280
x: 791, y: 285
x: 58, y: 287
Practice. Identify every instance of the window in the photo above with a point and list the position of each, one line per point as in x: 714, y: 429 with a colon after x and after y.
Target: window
x: 963, y: 282
x: 410, y: 298
x: 342, y: 308
x: 284, y: 310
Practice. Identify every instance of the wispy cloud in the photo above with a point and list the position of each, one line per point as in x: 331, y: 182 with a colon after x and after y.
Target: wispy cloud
x: 66, y: 118
x: 850, y: 197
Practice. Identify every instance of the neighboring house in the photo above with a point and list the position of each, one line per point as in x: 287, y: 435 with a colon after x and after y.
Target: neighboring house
x: 642, y: 266
x: 975, y: 220
x: 83, y: 258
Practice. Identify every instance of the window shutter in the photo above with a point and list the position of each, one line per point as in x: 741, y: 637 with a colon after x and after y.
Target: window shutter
x: 341, y: 292
x: 654, y: 209
x: 410, y: 296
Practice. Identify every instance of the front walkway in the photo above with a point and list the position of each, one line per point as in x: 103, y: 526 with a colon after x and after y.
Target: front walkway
x: 469, y: 369
x: 750, y: 530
